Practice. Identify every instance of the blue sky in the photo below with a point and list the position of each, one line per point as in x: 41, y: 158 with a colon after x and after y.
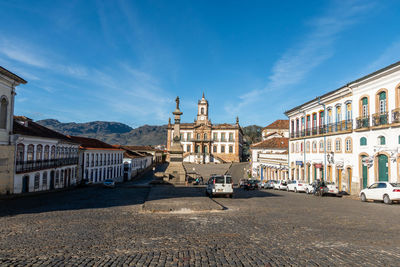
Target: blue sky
x: 126, y: 61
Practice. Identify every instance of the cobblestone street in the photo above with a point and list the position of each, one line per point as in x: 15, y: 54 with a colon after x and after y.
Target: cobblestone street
x: 95, y: 226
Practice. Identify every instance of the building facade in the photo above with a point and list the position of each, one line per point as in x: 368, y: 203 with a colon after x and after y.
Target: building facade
x: 8, y: 82
x: 98, y: 160
x: 45, y: 159
x: 353, y: 131
x: 135, y: 162
x: 204, y: 142
x: 269, y: 158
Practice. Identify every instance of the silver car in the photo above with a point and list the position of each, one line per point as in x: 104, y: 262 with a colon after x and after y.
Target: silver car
x: 220, y: 185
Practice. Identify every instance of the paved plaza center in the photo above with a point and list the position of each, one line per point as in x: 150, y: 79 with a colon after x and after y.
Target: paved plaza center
x: 95, y: 226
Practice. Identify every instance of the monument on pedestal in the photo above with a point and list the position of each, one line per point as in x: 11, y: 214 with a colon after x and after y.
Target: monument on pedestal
x: 175, y: 172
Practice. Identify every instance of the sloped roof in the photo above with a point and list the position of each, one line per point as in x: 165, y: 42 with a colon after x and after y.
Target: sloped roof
x: 91, y: 143
x: 278, y: 124
x: 274, y: 143
x: 11, y: 75
x: 25, y: 126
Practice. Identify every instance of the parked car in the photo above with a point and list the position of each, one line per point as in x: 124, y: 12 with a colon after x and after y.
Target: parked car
x: 109, y: 183
x: 269, y: 184
x: 331, y: 189
x: 251, y: 185
x: 276, y: 185
x: 261, y: 184
x: 309, y: 188
x: 242, y: 182
x: 296, y: 186
x: 383, y: 191
x: 282, y: 185
x: 220, y: 185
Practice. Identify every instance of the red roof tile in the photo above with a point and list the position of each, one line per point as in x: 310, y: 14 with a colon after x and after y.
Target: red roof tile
x: 278, y: 124
x: 276, y: 142
x: 91, y: 143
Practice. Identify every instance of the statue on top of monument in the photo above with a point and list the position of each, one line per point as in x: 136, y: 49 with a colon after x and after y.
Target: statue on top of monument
x: 177, y: 102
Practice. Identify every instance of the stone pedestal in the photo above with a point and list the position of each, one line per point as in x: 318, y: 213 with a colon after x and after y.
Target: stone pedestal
x: 175, y: 172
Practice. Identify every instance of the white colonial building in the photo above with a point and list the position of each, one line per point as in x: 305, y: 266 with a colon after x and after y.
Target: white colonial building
x: 45, y: 159
x: 204, y: 142
x: 269, y: 158
x: 8, y: 82
x: 135, y: 162
x: 98, y: 160
x: 353, y: 131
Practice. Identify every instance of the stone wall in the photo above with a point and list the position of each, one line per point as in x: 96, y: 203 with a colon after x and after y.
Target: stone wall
x: 6, y: 169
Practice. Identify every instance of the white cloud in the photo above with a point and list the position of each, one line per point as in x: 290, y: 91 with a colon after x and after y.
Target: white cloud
x: 317, y: 46
x: 389, y: 56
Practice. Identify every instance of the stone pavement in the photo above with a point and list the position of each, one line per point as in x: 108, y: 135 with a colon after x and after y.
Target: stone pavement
x: 96, y: 226
x: 179, y: 199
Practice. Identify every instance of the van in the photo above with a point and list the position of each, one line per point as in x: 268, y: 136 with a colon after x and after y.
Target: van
x: 220, y: 185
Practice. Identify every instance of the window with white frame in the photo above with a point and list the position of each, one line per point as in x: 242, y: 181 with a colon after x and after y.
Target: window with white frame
x: 338, y: 145
x: 314, y: 146
x: 329, y: 145
x: 348, y: 145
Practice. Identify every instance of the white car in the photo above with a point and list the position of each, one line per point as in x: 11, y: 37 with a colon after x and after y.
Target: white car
x: 109, y: 183
x: 331, y: 189
x: 276, y: 185
x: 296, y: 186
x: 309, y: 188
x: 384, y: 191
x: 282, y: 185
x: 220, y: 185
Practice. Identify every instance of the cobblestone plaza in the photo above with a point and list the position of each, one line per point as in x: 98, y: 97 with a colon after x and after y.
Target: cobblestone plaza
x: 95, y: 226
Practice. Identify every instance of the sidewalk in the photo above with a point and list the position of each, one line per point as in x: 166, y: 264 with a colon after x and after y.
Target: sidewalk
x: 167, y: 198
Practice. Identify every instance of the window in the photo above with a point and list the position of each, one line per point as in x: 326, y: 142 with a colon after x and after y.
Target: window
x: 215, y: 149
x: 314, y: 120
x: 198, y: 136
x: 20, y: 152
x: 44, y: 180
x: 338, y: 113
x: 188, y: 136
x: 382, y: 102
x: 57, y: 177
x: 308, y: 146
x: 181, y: 136
x: 3, y: 113
x: 308, y: 122
x: 329, y: 115
x: 222, y: 149
x: 36, y: 181
x: 215, y: 136
x: 301, y: 147
x: 297, y: 147
x: 223, y: 137
x: 197, y: 149
x: 329, y: 145
x: 87, y: 160
x: 39, y: 149
x: 202, y: 110
x: 92, y: 160
x: 29, y: 155
x: 53, y: 152
x: 188, y: 148
x: 381, y: 140
x: 348, y: 112
x: 292, y: 147
x: 205, y: 149
x: 230, y: 149
x: 363, y: 141
x: 231, y: 137
x: 338, y: 145
x: 321, y: 146
x: 364, y: 103
x: 348, y: 145
x: 46, y: 152
x: 314, y: 146
x: 205, y: 136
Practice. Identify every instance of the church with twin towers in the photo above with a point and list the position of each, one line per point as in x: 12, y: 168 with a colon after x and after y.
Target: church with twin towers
x: 204, y: 142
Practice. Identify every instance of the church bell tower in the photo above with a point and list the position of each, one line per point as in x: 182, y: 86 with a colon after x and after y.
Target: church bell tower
x: 202, y: 112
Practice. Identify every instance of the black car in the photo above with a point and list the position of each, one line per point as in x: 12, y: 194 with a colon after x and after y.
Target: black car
x: 251, y: 185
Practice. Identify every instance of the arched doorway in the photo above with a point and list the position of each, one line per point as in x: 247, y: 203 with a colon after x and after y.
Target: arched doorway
x: 339, y: 178
x: 25, y: 184
x: 383, y: 168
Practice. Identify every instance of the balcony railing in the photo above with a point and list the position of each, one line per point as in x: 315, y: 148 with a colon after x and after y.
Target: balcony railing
x: 345, y: 125
x: 35, y: 165
x: 362, y: 122
x: 380, y: 119
x: 396, y: 115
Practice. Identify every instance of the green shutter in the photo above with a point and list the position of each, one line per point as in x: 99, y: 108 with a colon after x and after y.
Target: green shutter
x: 382, y: 139
x: 382, y: 96
x: 363, y: 141
x: 365, y: 101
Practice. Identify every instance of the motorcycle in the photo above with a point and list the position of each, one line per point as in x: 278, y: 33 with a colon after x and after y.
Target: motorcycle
x: 319, y: 189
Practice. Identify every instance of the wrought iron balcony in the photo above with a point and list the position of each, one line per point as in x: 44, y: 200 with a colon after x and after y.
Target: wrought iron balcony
x: 362, y: 122
x: 380, y: 119
x: 314, y: 130
x: 396, y: 115
x: 36, y: 165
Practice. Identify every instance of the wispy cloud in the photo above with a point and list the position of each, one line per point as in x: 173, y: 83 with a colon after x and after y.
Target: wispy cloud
x: 316, y: 47
x: 390, y: 55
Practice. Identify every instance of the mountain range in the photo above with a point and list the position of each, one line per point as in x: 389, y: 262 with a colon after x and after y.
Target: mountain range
x: 119, y: 133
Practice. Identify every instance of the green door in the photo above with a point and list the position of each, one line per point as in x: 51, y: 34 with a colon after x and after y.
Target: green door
x: 383, y: 168
x: 315, y: 173
x: 308, y: 173
x: 364, y: 174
